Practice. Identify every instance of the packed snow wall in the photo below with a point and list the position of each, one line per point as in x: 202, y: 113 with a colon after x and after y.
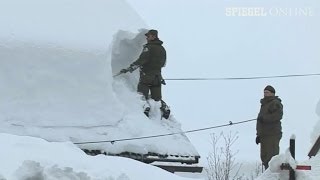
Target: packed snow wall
x: 50, y: 86
x: 56, y: 77
x: 54, y: 66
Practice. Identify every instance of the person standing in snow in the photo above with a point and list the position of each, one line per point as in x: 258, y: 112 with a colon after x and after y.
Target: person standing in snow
x: 269, y: 130
x: 151, y: 61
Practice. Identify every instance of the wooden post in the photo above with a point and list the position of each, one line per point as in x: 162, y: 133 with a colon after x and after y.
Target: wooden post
x: 286, y: 166
x: 292, y: 174
x: 293, y: 148
x: 315, y: 148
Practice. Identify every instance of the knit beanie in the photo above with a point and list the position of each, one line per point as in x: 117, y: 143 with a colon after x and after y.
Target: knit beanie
x: 270, y: 88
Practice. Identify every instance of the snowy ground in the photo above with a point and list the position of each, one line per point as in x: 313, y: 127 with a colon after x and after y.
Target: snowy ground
x: 25, y: 158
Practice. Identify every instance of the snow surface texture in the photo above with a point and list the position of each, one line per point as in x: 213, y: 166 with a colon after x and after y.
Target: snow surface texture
x: 63, y: 95
x: 29, y: 158
x: 61, y: 92
x: 274, y: 171
x: 25, y: 158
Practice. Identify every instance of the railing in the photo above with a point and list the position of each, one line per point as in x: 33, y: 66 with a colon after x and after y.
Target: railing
x: 286, y: 166
x: 178, y: 163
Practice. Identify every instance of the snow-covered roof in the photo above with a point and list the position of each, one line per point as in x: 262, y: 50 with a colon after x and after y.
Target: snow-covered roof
x: 66, y: 92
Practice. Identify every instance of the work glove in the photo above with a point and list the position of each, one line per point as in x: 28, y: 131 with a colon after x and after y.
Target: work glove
x: 131, y: 69
x: 163, y: 82
x: 123, y: 70
x: 257, y: 140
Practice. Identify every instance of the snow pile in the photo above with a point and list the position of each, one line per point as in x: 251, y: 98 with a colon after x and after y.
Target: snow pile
x: 25, y: 158
x: 314, y: 162
x: 69, y: 95
x: 47, y: 86
x: 66, y: 92
x: 274, y: 171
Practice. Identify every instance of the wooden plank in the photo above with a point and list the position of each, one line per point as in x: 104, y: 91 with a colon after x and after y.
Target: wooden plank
x: 315, y: 148
x: 286, y: 166
x: 150, y: 157
x: 303, y: 167
x: 173, y: 169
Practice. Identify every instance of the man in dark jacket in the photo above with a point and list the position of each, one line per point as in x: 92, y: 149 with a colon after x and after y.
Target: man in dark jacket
x: 151, y: 61
x: 269, y: 131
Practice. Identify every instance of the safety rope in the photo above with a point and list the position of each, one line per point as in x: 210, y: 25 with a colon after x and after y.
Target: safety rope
x: 241, y: 78
x: 168, y: 134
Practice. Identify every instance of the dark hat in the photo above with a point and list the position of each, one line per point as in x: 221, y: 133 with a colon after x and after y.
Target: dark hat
x: 152, y: 32
x: 270, y: 88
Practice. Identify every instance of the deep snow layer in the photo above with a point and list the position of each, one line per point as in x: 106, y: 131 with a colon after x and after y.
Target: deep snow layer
x: 24, y: 158
x: 57, y: 84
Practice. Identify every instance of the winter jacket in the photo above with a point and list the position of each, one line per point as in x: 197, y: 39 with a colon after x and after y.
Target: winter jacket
x: 152, y: 58
x: 271, y: 112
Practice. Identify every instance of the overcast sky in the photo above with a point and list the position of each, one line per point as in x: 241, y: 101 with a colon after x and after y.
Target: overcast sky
x: 202, y: 41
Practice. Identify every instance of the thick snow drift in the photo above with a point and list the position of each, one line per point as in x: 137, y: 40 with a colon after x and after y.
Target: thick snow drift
x: 24, y: 158
x: 58, y: 85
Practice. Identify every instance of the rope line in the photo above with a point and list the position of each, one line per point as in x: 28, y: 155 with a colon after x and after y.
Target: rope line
x: 241, y: 78
x: 167, y: 134
x: 207, y: 128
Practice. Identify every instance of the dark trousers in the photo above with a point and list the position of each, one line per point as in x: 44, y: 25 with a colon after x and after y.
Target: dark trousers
x: 269, y: 147
x: 154, y: 90
x: 150, y: 83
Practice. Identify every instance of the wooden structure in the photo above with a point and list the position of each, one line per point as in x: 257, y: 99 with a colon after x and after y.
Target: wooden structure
x: 315, y: 148
x: 286, y: 166
x: 180, y: 168
x: 155, y: 157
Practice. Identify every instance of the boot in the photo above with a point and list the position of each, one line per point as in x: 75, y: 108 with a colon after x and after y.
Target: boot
x: 165, y: 110
x: 266, y: 165
x: 166, y: 113
x: 146, y: 111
